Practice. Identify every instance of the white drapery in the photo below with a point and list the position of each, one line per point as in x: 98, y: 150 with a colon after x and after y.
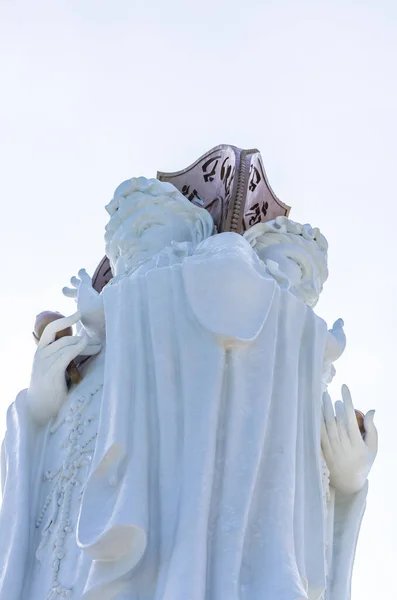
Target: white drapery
x: 207, y: 462
x: 206, y: 481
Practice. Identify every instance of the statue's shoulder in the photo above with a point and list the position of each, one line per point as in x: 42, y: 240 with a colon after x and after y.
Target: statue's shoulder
x: 228, y: 287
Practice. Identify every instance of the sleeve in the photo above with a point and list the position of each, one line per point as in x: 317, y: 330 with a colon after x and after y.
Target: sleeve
x: 348, y: 515
x: 15, y: 509
x: 3, y: 467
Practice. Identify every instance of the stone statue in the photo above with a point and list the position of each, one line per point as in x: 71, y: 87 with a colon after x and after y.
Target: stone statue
x: 200, y: 457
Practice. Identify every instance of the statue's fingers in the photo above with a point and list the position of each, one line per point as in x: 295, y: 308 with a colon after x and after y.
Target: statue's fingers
x: 339, y: 324
x: 91, y: 349
x: 52, y: 349
x: 65, y: 355
x: 52, y: 329
x: 329, y: 419
x: 371, y: 433
x: 94, y: 340
x: 69, y: 292
x: 341, y: 422
x: 75, y: 281
x: 351, y: 419
x: 85, y: 278
x: 347, y: 399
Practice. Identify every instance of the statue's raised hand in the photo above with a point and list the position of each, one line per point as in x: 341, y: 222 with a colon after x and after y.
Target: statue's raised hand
x: 89, y: 304
x: 48, y: 389
x: 348, y: 454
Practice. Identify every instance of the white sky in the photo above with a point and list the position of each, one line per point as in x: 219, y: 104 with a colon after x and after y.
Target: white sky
x: 95, y: 92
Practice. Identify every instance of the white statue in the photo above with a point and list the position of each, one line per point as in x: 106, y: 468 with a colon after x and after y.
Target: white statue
x: 187, y: 463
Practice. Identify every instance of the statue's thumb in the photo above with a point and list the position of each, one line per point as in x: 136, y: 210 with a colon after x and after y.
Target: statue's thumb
x: 339, y: 324
x: 371, y: 434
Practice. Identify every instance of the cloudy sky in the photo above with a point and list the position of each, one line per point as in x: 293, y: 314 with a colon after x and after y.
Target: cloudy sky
x: 94, y: 92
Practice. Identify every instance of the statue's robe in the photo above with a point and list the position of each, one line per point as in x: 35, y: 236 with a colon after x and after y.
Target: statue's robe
x: 45, y: 470
x: 206, y: 481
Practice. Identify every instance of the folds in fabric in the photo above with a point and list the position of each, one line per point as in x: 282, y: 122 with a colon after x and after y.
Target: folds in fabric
x: 15, y: 515
x: 207, y: 461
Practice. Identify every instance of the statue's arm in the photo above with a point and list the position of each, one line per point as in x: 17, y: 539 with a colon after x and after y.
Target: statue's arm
x: 349, y: 456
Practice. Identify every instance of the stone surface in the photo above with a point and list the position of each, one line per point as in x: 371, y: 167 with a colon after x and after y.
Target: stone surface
x: 230, y: 183
x: 200, y: 456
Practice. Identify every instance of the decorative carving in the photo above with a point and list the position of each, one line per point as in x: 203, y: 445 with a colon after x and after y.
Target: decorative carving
x: 235, y: 203
x: 218, y: 182
x: 102, y: 274
x: 64, y: 483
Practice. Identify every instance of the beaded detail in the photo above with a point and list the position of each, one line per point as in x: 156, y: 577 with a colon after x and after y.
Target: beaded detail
x: 325, y: 481
x: 65, y: 485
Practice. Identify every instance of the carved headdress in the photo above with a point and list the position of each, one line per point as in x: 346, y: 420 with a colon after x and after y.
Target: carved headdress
x: 230, y: 183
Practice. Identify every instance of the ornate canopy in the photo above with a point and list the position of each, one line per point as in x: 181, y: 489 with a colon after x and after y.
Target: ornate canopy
x: 231, y: 184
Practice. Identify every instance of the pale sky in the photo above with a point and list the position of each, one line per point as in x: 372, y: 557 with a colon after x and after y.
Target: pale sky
x: 95, y: 92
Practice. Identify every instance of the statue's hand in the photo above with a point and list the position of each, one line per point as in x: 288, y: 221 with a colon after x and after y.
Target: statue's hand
x: 89, y: 304
x: 336, y: 342
x: 47, y: 389
x: 349, y: 455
